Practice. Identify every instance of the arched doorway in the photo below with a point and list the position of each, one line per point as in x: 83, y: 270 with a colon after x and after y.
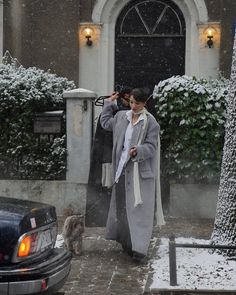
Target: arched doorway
x: 149, y: 43
x: 109, y: 14
x: 106, y: 13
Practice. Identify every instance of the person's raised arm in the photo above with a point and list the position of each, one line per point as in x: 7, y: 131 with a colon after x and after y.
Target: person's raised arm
x: 108, y: 110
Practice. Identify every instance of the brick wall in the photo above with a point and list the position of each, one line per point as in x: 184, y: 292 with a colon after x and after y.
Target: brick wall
x: 43, y: 33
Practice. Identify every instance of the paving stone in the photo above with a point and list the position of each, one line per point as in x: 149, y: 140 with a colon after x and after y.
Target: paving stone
x: 104, y: 269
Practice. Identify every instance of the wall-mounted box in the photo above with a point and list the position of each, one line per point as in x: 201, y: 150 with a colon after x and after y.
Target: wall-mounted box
x: 48, y: 122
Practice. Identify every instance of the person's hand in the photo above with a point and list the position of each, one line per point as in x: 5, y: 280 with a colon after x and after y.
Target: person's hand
x: 114, y: 96
x: 133, y: 152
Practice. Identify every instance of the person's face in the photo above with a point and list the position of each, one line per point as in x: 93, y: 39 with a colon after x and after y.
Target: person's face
x: 136, y: 106
x: 125, y: 99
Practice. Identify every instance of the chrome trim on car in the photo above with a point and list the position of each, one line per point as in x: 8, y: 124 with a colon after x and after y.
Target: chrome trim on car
x: 33, y: 287
x: 59, y: 255
x: 24, y: 281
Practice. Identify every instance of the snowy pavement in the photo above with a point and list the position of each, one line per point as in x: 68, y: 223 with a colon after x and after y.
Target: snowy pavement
x: 197, y: 269
x: 104, y: 269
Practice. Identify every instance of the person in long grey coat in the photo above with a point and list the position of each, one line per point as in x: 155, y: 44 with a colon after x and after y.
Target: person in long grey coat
x: 135, y: 143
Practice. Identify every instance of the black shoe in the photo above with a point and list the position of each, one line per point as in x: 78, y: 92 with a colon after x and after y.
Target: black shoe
x: 138, y: 257
x: 128, y: 250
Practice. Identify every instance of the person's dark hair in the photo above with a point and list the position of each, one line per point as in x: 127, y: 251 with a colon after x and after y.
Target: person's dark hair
x: 139, y: 94
x: 125, y: 90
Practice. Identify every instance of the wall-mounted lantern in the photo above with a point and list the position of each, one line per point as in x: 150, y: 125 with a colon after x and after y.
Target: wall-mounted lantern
x: 88, y: 32
x: 210, y: 35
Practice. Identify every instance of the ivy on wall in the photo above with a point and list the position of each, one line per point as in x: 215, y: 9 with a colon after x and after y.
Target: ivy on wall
x: 23, y: 93
x: 191, y: 113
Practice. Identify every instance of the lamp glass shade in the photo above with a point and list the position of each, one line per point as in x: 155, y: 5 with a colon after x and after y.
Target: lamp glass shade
x: 88, y: 32
x: 210, y: 32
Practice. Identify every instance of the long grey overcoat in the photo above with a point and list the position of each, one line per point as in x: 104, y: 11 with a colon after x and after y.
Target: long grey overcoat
x: 140, y: 218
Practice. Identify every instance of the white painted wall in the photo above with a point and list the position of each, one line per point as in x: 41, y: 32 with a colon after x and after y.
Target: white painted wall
x: 209, y: 57
x: 1, y: 29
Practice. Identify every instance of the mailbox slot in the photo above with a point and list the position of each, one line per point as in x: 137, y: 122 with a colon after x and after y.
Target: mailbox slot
x: 48, y: 122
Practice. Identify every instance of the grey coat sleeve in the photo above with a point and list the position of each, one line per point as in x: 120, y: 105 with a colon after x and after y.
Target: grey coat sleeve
x: 107, y: 118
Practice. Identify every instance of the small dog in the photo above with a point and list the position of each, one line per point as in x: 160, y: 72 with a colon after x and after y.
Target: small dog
x: 72, y: 233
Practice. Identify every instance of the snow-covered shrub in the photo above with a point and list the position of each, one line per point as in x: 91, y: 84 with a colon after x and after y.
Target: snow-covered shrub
x: 23, y: 154
x: 191, y: 113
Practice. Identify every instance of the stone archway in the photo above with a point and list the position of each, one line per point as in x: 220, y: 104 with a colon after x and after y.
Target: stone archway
x: 106, y: 13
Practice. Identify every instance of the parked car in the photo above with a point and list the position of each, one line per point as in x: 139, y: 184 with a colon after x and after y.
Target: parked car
x: 29, y: 262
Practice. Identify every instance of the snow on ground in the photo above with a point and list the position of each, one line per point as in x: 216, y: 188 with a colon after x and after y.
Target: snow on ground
x: 196, y: 268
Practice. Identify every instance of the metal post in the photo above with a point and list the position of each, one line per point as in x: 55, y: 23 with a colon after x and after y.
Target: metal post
x: 172, y: 261
x: 172, y: 254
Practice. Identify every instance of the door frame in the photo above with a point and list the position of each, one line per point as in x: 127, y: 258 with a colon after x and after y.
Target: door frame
x: 97, y: 64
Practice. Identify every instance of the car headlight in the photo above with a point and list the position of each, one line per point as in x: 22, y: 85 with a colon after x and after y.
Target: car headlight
x: 35, y: 242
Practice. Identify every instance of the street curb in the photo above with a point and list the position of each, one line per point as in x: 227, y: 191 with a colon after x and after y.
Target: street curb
x: 172, y: 291
x: 149, y: 281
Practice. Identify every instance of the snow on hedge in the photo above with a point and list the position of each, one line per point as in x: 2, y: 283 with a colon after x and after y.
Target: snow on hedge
x: 23, y: 93
x: 191, y: 113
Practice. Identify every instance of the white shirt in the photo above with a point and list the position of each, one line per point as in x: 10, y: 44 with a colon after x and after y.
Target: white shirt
x: 126, y: 146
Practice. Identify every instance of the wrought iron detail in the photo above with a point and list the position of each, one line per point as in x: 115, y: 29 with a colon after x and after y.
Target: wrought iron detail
x: 166, y: 15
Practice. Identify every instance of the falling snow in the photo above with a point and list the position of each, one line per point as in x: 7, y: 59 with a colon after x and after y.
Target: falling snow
x: 196, y: 268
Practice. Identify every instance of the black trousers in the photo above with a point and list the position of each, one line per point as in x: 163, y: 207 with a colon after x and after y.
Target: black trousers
x: 123, y: 232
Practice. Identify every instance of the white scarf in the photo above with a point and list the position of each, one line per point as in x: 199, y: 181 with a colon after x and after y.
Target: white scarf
x: 137, y: 192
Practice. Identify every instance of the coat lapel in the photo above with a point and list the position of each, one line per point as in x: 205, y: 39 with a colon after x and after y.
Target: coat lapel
x: 118, y: 142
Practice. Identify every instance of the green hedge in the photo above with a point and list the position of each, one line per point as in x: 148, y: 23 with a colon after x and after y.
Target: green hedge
x: 192, y: 115
x: 23, y: 93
